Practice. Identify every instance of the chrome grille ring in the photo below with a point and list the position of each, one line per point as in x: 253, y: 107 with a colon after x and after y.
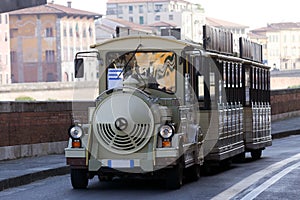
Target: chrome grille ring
x: 123, y: 123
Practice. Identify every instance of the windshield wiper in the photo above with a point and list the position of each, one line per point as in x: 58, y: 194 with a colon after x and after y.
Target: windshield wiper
x: 125, y: 66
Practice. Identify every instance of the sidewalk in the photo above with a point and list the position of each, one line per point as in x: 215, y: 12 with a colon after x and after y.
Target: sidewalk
x: 22, y: 171
x: 286, y: 127
x: 18, y: 172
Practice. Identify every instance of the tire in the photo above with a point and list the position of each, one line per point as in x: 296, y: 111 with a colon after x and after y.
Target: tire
x: 193, y: 172
x: 79, y: 178
x: 175, y: 177
x: 256, y: 154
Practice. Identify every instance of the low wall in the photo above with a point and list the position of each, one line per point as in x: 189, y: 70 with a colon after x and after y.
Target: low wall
x: 37, y: 128
x: 285, y: 103
x: 40, y: 128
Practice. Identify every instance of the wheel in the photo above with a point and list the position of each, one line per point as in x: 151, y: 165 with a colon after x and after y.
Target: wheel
x: 256, y: 154
x: 193, y: 172
x: 79, y: 178
x: 175, y: 177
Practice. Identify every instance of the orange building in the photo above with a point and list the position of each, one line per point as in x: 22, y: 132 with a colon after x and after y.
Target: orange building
x: 44, y: 40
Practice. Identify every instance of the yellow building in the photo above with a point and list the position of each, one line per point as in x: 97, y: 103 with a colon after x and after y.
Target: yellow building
x: 44, y: 40
x: 282, y: 44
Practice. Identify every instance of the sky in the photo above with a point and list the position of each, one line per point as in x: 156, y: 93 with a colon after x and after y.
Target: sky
x: 252, y: 13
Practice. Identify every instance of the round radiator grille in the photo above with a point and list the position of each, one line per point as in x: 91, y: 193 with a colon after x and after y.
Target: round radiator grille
x: 123, y: 123
x: 122, y: 141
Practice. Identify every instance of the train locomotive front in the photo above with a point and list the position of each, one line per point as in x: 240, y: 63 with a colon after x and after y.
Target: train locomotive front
x: 137, y: 126
x: 167, y: 107
x: 128, y: 125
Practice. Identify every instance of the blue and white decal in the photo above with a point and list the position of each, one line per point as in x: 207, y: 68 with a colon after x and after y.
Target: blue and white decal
x: 114, y: 78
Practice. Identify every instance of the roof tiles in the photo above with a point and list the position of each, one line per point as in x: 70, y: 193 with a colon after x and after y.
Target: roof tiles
x: 53, y: 9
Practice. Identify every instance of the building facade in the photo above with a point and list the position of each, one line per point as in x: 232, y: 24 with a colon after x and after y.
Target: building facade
x: 283, y: 45
x: 5, y: 73
x: 44, y: 40
x: 183, y: 14
x: 106, y: 28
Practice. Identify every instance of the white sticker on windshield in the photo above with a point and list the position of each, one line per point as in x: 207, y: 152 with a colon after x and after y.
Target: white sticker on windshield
x: 114, y: 78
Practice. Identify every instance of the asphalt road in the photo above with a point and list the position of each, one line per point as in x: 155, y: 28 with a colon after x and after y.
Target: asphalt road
x: 275, y: 176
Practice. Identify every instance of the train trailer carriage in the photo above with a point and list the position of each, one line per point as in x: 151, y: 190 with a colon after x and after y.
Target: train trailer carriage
x: 167, y: 107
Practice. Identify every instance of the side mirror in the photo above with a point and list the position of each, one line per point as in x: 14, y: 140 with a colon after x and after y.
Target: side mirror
x: 79, y: 67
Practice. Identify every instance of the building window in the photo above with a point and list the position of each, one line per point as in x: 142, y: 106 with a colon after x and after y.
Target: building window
x: 71, y: 32
x: 141, y: 9
x: 158, y: 7
x: 90, y: 32
x: 120, y: 10
x: 49, y: 32
x: 141, y: 20
x: 131, y: 19
x: 171, y: 17
x: 77, y: 30
x: 13, y: 56
x: 5, y: 37
x: 84, y: 33
x: 130, y: 9
x: 0, y: 19
x: 50, y: 56
x: 111, y: 9
x: 65, y: 32
x: 157, y: 18
x: 6, y: 19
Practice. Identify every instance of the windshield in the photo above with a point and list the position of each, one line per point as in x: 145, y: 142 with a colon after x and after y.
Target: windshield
x: 155, y: 70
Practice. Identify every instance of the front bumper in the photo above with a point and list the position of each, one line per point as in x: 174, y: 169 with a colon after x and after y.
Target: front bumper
x: 76, y: 157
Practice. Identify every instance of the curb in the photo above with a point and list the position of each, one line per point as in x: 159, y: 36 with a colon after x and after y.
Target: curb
x: 285, y: 134
x: 35, y: 176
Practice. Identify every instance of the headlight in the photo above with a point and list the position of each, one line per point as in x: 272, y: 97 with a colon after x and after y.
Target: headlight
x: 75, y: 132
x: 166, y: 131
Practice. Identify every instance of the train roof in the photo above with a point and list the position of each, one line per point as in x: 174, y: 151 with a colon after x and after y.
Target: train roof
x: 150, y: 42
x: 147, y: 42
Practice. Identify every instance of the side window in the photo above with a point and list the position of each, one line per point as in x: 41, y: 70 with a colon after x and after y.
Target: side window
x: 212, y: 85
x: 201, y: 87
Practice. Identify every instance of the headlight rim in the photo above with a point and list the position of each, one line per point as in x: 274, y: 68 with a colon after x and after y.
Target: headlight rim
x: 73, y: 135
x: 171, y: 128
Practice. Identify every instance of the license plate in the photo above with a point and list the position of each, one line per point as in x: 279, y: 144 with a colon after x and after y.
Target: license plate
x: 120, y: 163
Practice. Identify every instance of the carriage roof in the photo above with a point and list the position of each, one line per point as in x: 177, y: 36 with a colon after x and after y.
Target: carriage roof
x: 147, y: 42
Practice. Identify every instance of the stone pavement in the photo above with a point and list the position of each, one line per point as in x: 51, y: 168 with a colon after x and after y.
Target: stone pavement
x: 26, y: 170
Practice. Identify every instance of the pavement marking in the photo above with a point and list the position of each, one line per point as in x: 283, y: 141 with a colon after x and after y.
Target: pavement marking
x: 250, y: 180
x: 257, y: 191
